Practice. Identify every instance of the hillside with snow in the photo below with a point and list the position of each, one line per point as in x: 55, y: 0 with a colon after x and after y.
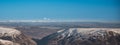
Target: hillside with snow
x: 10, y: 36
x: 84, y: 36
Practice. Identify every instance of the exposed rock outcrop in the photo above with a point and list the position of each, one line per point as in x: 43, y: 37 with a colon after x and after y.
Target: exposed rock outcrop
x: 10, y: 36
x: 84, y: 36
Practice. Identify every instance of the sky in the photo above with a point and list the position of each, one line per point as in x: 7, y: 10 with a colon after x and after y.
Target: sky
x: 78, y: 10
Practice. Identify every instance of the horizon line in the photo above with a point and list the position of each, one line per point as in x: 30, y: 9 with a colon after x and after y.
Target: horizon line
x: 58, y: 21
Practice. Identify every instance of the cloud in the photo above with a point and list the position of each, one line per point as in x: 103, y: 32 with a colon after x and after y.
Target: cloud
x: 45, y: 18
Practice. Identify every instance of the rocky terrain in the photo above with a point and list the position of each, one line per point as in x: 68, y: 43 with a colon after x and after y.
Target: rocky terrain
x: 42, y: 29
x: 9, y: 36
x: 83, y: 36
x: 59, y: 33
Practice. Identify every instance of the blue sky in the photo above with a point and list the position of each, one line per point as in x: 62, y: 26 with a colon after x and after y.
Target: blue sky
x: 89, y: 10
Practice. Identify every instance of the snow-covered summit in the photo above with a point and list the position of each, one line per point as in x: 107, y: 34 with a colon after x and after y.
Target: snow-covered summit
x: 84, y: 36
x: 86, y: 31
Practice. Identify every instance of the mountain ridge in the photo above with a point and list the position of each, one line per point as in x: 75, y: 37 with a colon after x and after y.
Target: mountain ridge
x: 10, y: 36
x: 84, y: 36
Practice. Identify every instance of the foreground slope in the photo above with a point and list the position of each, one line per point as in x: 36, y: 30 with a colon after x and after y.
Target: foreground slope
x: 10, y: 36
x: 83, y: 36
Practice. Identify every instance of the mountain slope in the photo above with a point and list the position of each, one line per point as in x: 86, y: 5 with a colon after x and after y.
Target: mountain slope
x: 84, y: 36
x: 10, y: 36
